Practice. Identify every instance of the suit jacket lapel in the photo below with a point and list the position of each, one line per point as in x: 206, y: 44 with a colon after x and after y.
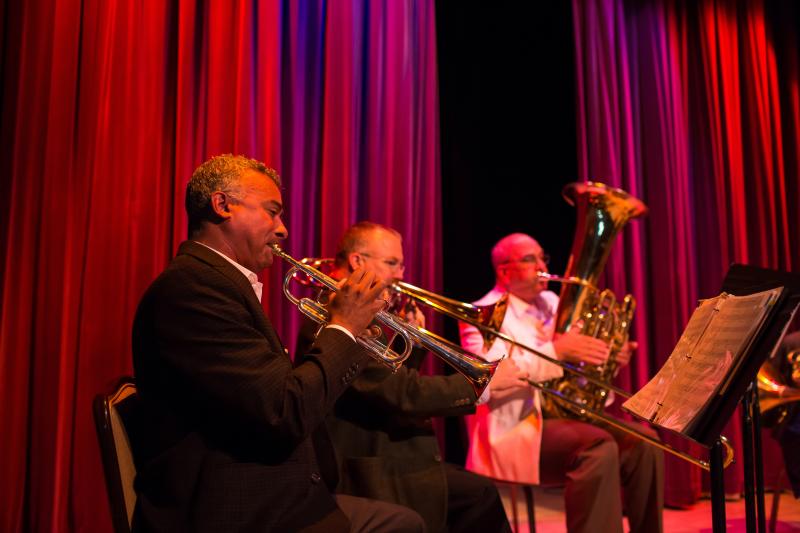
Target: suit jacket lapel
x: 218, y: 262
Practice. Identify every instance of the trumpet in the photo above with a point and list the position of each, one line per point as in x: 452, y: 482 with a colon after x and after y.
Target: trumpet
x: 474, y: 369
x: 488, y: 319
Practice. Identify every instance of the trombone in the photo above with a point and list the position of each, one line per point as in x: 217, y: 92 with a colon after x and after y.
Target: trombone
x: 477, y: 371
x: 488, y: 319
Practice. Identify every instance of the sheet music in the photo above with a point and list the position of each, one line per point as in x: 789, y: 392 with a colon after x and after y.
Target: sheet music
x: 741, y: 308
x: 704, y: 360
x: 647, y: 402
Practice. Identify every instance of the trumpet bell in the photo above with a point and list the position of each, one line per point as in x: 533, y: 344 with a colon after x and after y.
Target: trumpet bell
x: 491, y: 316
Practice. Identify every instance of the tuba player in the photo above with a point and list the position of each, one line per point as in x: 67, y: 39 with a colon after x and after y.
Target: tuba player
x: 606, y: 472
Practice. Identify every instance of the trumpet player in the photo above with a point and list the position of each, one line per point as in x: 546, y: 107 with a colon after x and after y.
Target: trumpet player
x: 226, y: 441
x: 605, y: 471
x: 381, y: 427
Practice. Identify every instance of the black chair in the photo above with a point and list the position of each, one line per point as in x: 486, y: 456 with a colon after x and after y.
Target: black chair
x: 114, y: 416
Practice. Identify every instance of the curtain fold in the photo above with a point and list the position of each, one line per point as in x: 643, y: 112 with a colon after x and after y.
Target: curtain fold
x: 692, y: 107
x: 107, y: 107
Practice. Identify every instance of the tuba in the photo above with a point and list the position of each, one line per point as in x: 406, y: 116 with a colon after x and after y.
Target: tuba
x: 489, y: 319
x: 602, y: 212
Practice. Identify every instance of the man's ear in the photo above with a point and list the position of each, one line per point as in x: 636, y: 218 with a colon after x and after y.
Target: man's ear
x: 355, y: 260
x: 501, y: 274
x: 220, y: 204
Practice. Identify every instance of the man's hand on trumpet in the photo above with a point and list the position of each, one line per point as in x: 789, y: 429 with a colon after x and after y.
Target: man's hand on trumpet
x: 354, y: 305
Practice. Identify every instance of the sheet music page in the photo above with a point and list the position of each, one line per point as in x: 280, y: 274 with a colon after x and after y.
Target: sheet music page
x: 742, y: 304
x: 700, y: 372
x: 648, y: 400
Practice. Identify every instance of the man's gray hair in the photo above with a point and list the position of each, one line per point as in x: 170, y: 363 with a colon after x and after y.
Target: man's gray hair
x: 220, y: 173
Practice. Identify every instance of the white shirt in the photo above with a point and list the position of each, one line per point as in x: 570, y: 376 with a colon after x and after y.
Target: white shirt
x: 258, y: 287
x: 251, y: 276
x: 505, y: 436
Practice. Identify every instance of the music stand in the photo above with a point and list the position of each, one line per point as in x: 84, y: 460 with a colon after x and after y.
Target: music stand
x: 742, y: 280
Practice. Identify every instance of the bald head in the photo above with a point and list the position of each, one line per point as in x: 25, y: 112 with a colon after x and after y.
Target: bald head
x: 504, y: 250
x: 517, y: 260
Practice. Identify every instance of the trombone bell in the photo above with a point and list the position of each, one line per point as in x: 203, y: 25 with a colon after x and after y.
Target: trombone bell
x: 489, y: 316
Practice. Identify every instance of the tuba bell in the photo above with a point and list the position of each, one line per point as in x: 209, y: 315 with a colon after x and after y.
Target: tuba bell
x: 602, y: 211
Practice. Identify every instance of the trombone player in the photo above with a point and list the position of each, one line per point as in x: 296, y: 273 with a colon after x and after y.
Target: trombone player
x: 381, y: 427
x: 605, y: 470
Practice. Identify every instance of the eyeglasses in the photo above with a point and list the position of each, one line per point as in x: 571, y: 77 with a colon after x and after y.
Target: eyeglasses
x: 392, y: 262
x: 531, y: 259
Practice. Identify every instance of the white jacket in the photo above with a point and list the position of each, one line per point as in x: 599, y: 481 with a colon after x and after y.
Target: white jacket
x: 506, y: 436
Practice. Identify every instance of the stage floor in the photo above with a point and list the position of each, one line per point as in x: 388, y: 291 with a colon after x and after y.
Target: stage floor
x: 550, y: 513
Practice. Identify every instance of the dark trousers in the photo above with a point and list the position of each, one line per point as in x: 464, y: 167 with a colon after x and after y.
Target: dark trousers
x: 604, y: 469
x: 473, y: 503
x: 369, y: 516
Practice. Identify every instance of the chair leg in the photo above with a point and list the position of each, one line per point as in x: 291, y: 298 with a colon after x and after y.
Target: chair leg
x: 513, y: 491
x: 773, y: 515
x: 531, y: 508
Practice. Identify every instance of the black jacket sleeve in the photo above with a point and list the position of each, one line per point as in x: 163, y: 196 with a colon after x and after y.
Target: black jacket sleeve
x: 405, y: 392
x: 196, y: 333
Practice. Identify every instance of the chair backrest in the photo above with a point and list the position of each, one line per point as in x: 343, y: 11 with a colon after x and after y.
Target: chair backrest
x: 114, y: 416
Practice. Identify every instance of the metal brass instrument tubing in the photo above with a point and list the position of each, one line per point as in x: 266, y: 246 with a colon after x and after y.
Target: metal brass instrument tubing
x: 645, y: 437
x: 467, y: 313
x: 474, y: 369
x: 560, y: 279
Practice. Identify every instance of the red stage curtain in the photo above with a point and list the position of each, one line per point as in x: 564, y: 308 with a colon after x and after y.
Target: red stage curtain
x: 107, y: 106
x: 692, y: 107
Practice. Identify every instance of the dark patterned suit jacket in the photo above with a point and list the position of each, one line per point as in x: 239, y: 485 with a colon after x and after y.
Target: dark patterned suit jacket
x: 383, y: 434
x: 231, y: 438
